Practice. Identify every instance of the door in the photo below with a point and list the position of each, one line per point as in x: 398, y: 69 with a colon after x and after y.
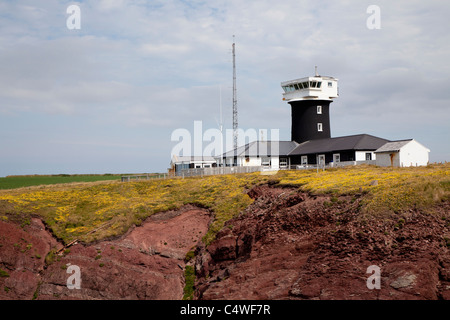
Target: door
x: 321, y: 160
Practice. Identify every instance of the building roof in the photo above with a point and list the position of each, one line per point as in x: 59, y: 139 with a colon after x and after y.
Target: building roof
x: 363, y: 142
x: 184, y: 159
x: 354, y: 142
x: 393, y: 146
x: 262, y: 148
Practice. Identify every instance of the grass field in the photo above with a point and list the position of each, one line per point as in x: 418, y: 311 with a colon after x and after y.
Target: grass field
x: 13, y: 182
x: 72, y: 210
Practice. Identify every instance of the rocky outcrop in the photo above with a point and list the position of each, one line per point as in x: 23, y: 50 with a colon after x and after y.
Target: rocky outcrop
x: 22, y: 257
x: 293, y: 245
x: 146, y: 263
x: 286, y: 245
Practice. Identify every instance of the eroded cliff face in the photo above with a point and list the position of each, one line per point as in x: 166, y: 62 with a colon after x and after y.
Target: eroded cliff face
x: 146, y: 263
x: 286, y: 245
x: 22, y: 258
x: 291, y: 245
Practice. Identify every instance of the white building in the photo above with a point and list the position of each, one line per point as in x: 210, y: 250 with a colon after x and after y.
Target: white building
x: 310, y: 88
x: 311, y: 142
x: 402, y: 153
x: 268, y: 154
x: 179, y: 163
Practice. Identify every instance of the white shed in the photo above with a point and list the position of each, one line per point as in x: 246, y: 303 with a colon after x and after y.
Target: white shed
x: 402, y: 153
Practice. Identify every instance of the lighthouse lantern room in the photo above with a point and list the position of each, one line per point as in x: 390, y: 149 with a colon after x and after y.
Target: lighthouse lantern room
x: 310, y: 99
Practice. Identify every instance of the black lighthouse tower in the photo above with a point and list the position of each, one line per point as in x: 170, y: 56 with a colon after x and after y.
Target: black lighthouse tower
x: 310, y: 99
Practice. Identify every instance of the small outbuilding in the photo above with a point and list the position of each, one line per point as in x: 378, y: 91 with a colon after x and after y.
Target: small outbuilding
x: 402, y: 153
x: 267, y: 154
x: 179, y: 163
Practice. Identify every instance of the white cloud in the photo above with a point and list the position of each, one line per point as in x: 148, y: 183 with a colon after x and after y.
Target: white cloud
x: 165, y: 49
x: 158, y: 64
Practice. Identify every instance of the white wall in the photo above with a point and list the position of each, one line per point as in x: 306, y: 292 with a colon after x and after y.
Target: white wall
x: 414, y: 154
x: 361, y: 155
x: 411, y: 154
x: 275, y: 162
x: 384, y: 159
x: 202, y: 164
x: 257, y: 161
x: 322, y: 93
x: 253, y: 161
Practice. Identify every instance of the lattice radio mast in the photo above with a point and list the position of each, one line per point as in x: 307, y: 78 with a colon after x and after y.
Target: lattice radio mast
x: 235, y: 113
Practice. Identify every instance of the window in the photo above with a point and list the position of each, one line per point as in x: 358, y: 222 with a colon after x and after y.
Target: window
x: 368, y: 156
x: 319, y: 109
x: 296, y: 86
x: 265, y: 161
x: 283, y: 162
x: 182, y: 166
x: 330, y: 84
x: 313, y: 84
x: 305, y: 85
x: 304, y: 160
x: 336, y: 157
x: 319, y: 84
x: 300, y: 85
x: 319, y: 127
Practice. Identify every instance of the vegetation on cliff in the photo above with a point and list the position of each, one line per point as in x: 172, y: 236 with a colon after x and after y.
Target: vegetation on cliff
x: 72, y: 211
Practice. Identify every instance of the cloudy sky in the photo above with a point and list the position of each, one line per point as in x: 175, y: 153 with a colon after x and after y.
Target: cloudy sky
x: 106, y: 98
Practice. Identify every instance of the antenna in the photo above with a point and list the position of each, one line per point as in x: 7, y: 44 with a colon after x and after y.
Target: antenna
x: 316, y: 71
x: 220, y: 110
x: 235, y: 114
x: 220, y: 126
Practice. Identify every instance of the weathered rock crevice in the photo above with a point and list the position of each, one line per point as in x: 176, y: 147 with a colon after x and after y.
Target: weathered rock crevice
x: 287, y: 245
x: 147, y: 262
x: 294, y: 245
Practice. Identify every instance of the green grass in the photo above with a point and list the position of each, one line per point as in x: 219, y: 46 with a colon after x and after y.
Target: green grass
x: 3, y: 274
x: 189, y: 276
x: 13, y: 182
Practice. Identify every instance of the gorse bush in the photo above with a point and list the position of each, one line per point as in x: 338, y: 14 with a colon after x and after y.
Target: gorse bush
x: 72, y: 211
x: 397, y: 189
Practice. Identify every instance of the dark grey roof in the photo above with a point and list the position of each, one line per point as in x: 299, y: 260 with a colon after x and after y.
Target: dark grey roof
x: 393, y: 146
x: 355, y: 142
x: 262, y: 148
x: 361, y: 142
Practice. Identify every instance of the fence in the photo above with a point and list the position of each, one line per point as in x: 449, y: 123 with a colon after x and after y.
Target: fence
x: 217, y: 170
x: 330, y: 165
x: 241, y: 169
x: 135, y: 177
